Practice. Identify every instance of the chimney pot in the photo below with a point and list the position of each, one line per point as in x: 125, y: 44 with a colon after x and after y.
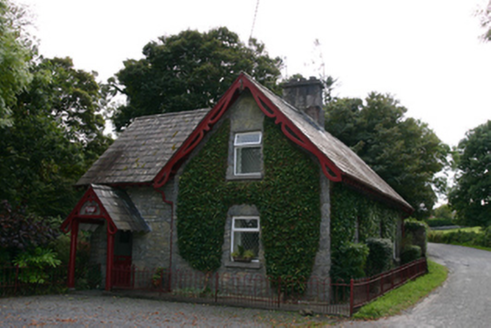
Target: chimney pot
x: 306, y: 95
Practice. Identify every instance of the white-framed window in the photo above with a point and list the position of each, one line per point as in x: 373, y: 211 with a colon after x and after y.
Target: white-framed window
x: 247, y: 153
x: 245, y: 235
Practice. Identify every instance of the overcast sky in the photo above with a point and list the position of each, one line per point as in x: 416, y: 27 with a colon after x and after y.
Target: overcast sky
x: 426, y: 53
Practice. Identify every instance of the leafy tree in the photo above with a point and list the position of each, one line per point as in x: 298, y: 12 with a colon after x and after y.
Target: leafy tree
x: 56, y: 134
x: 20, y: 231
x: 444, y: 212
x: 74, y: 99
x: 15, y: 57
x: 485, y: 15
x: 405, y: 152
x: 471, y: 196
x: 189, y: 70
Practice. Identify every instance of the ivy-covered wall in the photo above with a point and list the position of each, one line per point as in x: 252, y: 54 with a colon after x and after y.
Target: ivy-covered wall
x: 287, y: 198
x: 374, y: 218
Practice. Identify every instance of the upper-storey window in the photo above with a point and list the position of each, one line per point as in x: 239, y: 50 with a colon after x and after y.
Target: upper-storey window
x: 247, y: 153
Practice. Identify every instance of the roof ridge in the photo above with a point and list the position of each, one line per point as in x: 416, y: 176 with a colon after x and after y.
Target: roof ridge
x: 139, y: 118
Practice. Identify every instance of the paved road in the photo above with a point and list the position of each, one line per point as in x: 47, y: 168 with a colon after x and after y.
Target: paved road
x: 463, y: 301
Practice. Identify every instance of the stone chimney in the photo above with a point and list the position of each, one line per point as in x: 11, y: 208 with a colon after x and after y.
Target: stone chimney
x: 306, y: 95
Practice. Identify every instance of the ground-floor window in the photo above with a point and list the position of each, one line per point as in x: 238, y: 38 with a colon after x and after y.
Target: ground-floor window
x: 245, y: 238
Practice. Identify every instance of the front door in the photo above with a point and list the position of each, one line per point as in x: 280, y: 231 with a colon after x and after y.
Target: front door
x: 122, y: 271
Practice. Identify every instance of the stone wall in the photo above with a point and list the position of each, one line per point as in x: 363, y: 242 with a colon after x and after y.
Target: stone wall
x: 245, y: 116
x: 250, y: 276
x: 322, y: 264
x: 151, y: 250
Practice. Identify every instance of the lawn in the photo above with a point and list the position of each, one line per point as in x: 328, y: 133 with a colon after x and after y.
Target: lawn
x: 405, y: 296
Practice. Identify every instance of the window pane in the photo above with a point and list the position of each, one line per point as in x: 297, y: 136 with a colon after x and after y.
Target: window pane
x: 248, y: 138
x: 248, y: 160
x: 248, y: 240
x: 246, y: 223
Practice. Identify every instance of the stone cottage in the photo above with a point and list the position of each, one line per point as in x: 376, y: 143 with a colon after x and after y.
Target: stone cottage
x: 256, y: 174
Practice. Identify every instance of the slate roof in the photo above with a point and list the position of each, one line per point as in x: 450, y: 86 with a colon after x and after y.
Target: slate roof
x: 340, y: 154
x: 143, y: 148
x: 120, y: 208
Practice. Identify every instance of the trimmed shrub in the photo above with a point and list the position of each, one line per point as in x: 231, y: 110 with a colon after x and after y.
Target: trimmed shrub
x: 410, y: 253
x: 485, y: 238
x: 435, y: 237
x: 418, y: 232
x: 349, y: 262
x: 462, y: 237
x: 379, y: 256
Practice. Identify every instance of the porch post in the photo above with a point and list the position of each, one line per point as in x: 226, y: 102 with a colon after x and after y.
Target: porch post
x: 109, y: 258
x: 73, y: 253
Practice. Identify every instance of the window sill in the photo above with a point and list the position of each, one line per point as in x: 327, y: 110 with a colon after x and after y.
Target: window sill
x: 257, y: 176
x: 242, y: 265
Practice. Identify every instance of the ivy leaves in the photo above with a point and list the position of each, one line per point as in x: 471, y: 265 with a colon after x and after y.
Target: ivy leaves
x: 287, y: 199
x: 374, y: 220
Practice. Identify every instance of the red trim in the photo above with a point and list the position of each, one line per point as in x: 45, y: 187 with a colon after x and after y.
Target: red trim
x: 331, y: 171
x: 268, y: 108
x: 291, y: 131
x: 73, y: 251
x: 71, y: 223
x: 109, y: 259
x: 89, y: 195
x: 196, y: 136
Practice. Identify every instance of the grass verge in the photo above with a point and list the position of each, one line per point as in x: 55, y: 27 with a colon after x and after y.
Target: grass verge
x: 405, y: 296
x: 473, y: 246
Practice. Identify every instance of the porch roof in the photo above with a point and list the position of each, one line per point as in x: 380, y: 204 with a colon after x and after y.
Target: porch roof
x: 110, y: 204
x: 120, y: 209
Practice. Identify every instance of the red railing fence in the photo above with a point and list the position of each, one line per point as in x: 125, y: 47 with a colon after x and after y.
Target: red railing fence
x: 256, y: 290
x: 367, y: 289
x: 321, y: 295
x: 17, y: 280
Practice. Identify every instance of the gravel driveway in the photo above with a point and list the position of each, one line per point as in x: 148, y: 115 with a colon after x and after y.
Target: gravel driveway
x: 91, y: 309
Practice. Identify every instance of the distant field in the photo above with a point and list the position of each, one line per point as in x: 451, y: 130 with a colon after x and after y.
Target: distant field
x: 468, y: 229
x: 470, y: 237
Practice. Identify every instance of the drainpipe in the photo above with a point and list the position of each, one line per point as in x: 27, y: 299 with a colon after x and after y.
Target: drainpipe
x: 169, y: 273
